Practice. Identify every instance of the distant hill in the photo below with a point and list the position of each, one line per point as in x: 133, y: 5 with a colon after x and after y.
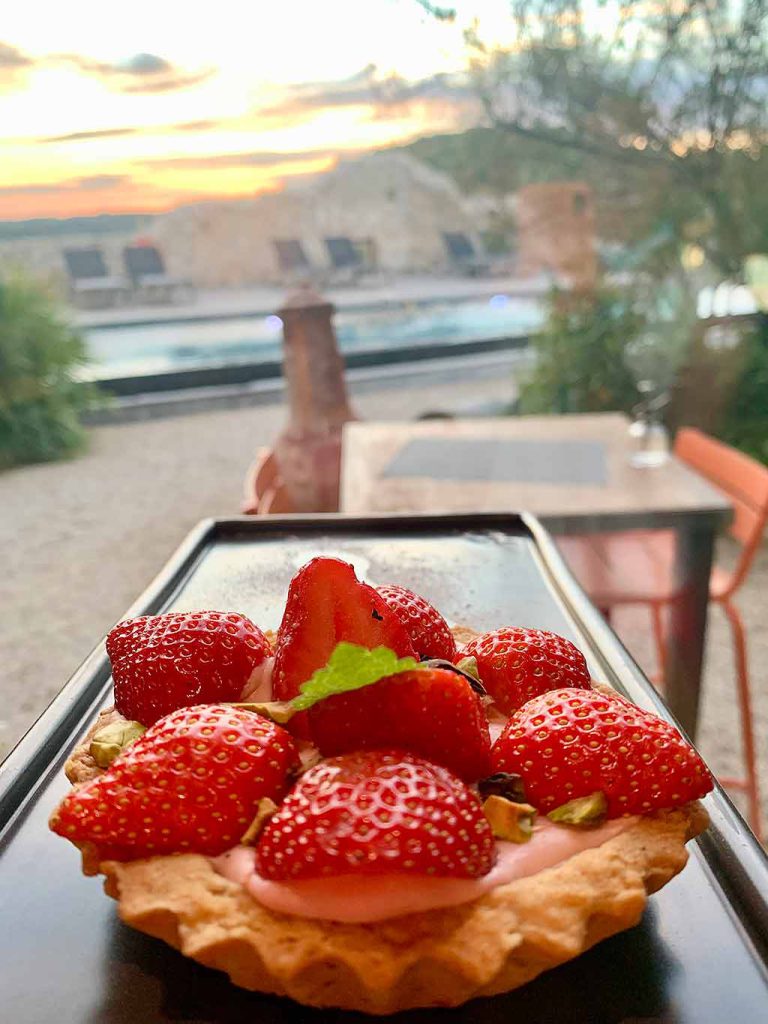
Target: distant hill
x: 51, y: 227
x: 492, y: 160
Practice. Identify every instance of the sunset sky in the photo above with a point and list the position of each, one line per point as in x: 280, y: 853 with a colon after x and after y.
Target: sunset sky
x: 143, y: 106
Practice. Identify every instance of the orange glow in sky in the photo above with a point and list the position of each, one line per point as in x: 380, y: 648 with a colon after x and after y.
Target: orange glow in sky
x: 160, y: 105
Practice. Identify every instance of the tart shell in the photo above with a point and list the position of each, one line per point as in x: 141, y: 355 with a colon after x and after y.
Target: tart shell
x: 438, y: 958
x: 443, y: 957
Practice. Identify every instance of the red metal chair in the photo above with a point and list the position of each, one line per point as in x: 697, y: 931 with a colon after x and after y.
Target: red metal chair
x: 264, y: 491
x: 637, y: 567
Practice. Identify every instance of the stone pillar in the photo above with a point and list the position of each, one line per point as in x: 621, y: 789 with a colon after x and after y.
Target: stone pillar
x: 308, y: 450
x: 557, y: 234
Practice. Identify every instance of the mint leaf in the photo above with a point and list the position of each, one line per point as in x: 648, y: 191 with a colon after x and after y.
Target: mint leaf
x: 350, y: 667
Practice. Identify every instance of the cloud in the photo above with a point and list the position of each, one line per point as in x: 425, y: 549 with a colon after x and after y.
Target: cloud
x: 100, y: 181
x: 169, y: 82
x: 89, y: 183
x: 224, y: 160
x: 103, y: 133
x: 12, y: 58
x: 13, y: 67
x: 194, y: 126
x: 29, y: 190
x: 146, y: 64
x: 141, y: 73
x: 366, y: 88
x: 113, y: 133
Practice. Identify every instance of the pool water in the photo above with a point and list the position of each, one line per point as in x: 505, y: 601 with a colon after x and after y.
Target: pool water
x: 136, y: 350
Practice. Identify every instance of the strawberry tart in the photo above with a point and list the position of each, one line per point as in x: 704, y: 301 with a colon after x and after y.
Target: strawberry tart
x: 371, y: 810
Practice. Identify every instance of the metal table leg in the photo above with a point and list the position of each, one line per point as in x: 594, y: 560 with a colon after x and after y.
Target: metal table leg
x: 688, y: 623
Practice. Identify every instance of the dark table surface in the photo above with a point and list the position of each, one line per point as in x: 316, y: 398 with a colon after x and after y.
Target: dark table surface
x: 699, y: 955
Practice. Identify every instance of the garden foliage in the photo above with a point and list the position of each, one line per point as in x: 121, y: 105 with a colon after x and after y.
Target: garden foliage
x: 41, y: 397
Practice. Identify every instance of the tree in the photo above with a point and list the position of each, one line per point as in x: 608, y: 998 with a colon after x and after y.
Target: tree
x: 671, y: 97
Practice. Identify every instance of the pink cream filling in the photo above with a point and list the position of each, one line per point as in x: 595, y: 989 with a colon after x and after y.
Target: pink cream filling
x: 259, y: 685
x: 359, y: 899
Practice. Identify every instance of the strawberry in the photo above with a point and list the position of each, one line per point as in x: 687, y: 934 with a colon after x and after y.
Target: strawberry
x: 374, y: 813
x: 191, y: 783
x: 164, y: 662
x: 516, y: 663
x: 429, y: 632
x: 327, y: 603
x: 570, y: 743
x: 432, y: 712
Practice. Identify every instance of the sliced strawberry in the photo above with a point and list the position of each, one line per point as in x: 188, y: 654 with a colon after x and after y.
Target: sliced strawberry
x: 376, y: 813
x: 327, y: 603
x: 430, y: 634
x: 164, y: 662
x: 191, y: 783
x: 570, y: 743
x: 516, y: 663
x: 431, y: 712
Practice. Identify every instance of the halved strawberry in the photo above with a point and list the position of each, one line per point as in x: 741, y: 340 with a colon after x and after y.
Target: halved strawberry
x: 430, y: 634
x: 191, y: 783
x: 571, y: 743
x: 164, y: 662
x: 431, y: 712
x: 516, y: 663
x: 377, y: 813
x: 327, y: 603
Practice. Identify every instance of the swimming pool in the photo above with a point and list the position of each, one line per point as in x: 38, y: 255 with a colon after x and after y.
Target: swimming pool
x: 136, y: 350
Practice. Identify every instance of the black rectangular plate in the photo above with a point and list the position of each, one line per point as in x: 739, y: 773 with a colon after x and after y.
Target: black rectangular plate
x: 699, y: 955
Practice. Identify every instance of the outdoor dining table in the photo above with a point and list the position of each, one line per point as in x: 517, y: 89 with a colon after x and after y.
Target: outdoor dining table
x: 575, y: 474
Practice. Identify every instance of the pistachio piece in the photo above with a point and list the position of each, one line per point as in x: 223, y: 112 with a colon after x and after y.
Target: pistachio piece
x: 467, y: 668
x: 583, y: 812
x: 506, y: 784
x: 112, y: 739
x: 279, y: 711
x: 264, y: 811
x: 509, y: 820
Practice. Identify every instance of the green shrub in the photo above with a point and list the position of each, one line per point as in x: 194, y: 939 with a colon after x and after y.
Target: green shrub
x: 40, y: 398
x: 579, y: 355
x: 746, y: 421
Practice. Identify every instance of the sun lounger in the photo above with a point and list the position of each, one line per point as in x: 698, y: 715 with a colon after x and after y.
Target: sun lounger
x: 151, y: 283
x: 90, y: 283
x: 462, y: 254
x: 347, y: 262
x: 292, y: 259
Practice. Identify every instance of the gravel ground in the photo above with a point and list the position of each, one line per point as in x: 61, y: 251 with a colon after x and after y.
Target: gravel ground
x: 79, y: 540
